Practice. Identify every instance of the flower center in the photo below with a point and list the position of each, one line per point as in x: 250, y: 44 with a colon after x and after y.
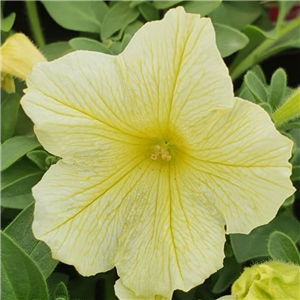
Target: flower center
x: 161, y: 152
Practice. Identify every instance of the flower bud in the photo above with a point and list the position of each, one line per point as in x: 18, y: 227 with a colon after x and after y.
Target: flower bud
x: 18, y: 55
x: 271, y: 280
x: 7, y: 83
x: 289, y: 110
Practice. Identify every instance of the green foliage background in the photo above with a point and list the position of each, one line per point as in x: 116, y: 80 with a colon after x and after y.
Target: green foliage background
x: 245, y: 37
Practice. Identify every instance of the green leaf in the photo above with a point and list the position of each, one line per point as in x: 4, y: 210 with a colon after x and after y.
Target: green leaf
x: 61, y: 292
x: 54, y: 279
x: 277, y: 88
x: 39, y: 157
x: 229, y: 40
x: 255, y: 38
x: 256, y: 87
x: 113, y: 3
x: 15, y: 148
x: 128, y: 34
x: 9, y: 113
x: 20, y: 231
x: 246, y: 94
x: 237, y: 14
x: 24, y: 125
x: 290, y: 125
x: 149, y: 12
x: 86, y: 16
x: 137, y: 2
x: 257, y: 70
x: 227, y: 275
x: 243, y: 245
x: 8, y: 22
x: 117, y: 18
x: 125, y: 41
x: 164, y: 4
x: 132, y: 28
x: 55, y: 50
x: 201, y: 7
x: 296, y: 174
x: 88, y: 44
x: 271, y: 34
x: 282, y: 248
x: 115, y: 48
x: 20, y: 277
x: 16, y: 184
x: 19, y: 201
x: 289, y: 201
x: 294, y: 136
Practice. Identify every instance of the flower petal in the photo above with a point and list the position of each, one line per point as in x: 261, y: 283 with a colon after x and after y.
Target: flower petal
x: 148, y: 219
x: 173, y: 238
x: 242, y: 162
x: 79, y: 212
x: 165, y: 77
x: 75, y: 102
x: 175, y: 71
x: 124, y: 293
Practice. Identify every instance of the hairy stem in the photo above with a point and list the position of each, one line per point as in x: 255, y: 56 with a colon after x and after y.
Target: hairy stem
x: 35, y: 24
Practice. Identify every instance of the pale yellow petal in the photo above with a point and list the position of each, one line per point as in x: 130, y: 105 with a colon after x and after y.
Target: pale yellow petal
x: 165, y: 78
x: 78, y: 104
x: 79, y: 212
x: 124, y: 293
x: 241, y: 161
x: 172, y: 238
x: 147, y: 218
x: 18, y: 55
x: 174, y: 72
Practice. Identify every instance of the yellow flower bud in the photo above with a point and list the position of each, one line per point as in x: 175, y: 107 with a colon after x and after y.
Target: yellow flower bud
x: 18, y: 55
x: 271, y: 280
x: 7, y: 83
x: 289, y: 110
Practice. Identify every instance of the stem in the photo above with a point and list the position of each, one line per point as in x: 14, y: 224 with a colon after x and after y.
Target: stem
x: 35, y: 24
x: 256, y: 56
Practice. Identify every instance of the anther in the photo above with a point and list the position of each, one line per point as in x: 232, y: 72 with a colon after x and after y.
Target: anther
x: 162, y: 152
x: 153, y: 156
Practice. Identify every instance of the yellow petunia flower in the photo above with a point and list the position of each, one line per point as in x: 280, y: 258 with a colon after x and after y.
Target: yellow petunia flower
x: 157, y: 157
x: 18, y: 55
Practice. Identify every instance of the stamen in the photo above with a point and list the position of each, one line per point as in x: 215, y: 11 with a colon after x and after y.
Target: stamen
x: 153, y: 156
x: 166, y: 157
x: 162, y: 152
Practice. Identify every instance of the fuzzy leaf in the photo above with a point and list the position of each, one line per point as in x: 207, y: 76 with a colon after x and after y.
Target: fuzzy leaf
x: 21, y: 233
x: 84, y: 16
x: 15, y: 148
x: 282, y: 248
x: 20, y: 277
